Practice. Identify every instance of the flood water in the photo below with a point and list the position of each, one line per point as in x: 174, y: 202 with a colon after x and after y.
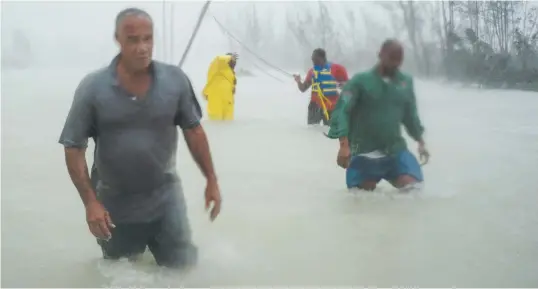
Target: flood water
x: 287, y: 218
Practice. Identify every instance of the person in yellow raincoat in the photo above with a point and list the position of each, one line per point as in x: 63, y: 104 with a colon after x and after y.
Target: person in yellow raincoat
x: 219, y: 90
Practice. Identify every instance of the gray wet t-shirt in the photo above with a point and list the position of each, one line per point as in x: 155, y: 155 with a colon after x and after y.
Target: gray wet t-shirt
x: 136, y: 139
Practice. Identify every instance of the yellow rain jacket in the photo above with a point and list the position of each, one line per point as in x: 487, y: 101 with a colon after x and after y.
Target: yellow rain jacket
x: 220, y: 89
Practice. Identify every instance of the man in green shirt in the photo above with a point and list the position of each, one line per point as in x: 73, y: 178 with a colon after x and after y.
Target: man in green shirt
x: 367, y: 120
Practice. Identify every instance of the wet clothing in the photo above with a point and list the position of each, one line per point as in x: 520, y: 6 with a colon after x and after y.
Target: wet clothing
x: 326, y: 78
x: 323, y: 77
x: 168, y: 238
x: 316, y: 115
x: 136, y: 142
x: 370, y: 113
x: 363, y: 168
x: 220, y: 89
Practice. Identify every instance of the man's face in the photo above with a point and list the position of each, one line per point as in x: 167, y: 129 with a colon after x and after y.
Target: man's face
x: 316, y: 59
x: 391, y: 58
x: 232, y: 63
x: 135, y: 36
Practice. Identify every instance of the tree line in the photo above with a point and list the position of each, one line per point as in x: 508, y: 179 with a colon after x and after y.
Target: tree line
x: 488, y: 43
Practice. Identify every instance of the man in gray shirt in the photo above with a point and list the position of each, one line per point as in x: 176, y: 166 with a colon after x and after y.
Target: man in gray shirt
x: 131, y: 109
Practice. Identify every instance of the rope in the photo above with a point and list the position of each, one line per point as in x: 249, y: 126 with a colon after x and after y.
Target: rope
x: 315, y: 87
x: 226, y: 31
x: 322, y: 100
x: 267, y: 73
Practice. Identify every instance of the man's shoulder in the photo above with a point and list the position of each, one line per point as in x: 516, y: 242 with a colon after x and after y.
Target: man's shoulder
x: 362, y: 76
x: 94, y: 79
x: 360, y: 79
x: 169, y: 70
x: 97, y: 75
x: 338, y: 66
x: 172, y: 75
x: 405, y: 76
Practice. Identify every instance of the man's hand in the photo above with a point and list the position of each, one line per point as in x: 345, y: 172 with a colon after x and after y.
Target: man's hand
x: 297, y: 78
x: 344, y: 156
x: 99, y: 220
x: 199, y: 148
x: 234, y: 56
x: 423, y: 153
x: 212, y: 197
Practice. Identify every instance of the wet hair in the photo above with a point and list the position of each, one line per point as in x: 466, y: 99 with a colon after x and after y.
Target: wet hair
x: 129, y: 12
x: 320, y: 52
x: 388, y: 43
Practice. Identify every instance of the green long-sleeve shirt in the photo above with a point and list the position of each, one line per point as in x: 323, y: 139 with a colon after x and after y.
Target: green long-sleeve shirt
x: 370, y: 113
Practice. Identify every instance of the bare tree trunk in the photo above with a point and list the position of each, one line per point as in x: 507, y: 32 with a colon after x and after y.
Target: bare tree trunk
x: 410, y: 20
x: 323, y: 21
x: 473, y: 14
x: 504, y: 25
x: 301, y: 28
x: 477, y: 18
x: 254, y: 33
x: 488, y: 27
x: 445, y: 26
x: 451, y: 14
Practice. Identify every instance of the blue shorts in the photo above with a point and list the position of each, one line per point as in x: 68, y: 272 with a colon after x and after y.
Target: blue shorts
x: 389, y: 168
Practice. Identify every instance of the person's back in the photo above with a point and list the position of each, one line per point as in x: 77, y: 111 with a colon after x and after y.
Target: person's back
x: 219, y: 89
x: 219, y: 73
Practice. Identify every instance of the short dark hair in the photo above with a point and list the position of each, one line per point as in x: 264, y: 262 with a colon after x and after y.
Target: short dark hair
x: 320, y: 52
x: 389, y: 42
x: 129, y: 12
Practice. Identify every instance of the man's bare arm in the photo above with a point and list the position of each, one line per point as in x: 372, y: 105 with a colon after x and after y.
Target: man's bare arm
x: 304, y: 86
x: 411, y: 119
x: 188, y: 118
x: 344, y: 142
x: 75, y: 159
x: 199, y: 147
x: 78, y: 127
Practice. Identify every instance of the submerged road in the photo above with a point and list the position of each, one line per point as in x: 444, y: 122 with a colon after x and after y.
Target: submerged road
x: 287, y: 217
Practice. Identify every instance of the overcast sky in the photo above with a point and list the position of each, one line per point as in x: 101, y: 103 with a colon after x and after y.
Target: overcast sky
x: 66, y: 32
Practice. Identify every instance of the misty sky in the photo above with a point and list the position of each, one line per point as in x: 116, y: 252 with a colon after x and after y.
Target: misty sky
x: 82, y: 32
